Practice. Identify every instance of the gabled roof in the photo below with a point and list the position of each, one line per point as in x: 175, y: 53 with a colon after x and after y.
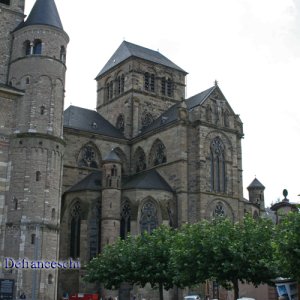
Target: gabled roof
x: 256, y: 184
x: 199, y: 98
x: 90, y: 121
x: 127, y: 50
x: 147, y: 180
x: 91, y: 182
x: 164, y: 119
x: 44, y: 12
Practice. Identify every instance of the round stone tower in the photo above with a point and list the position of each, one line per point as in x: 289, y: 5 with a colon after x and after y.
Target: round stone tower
x: 37, y: 67
x: 11, y: 15
x: 256, y: 193
x: 111, y: 199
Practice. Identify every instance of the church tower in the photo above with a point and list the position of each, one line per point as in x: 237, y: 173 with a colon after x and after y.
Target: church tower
x: 256, y: 193
x: 111, y: 199
x: 11, y: 15
x: 36, y: 67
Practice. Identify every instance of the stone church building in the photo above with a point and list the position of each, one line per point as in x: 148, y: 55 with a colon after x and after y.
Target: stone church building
x: 73, y: 181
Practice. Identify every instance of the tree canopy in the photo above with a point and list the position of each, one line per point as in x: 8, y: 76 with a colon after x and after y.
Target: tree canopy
x: 287, y: 244
x: 218, y: 250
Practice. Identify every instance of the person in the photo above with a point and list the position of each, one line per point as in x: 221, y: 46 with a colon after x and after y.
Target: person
x: 22, y: 296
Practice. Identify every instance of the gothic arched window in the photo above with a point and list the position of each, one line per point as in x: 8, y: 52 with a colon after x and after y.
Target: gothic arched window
x: 158, y: 154
x: 37, y: 47
x: 140, y: 160
x: 217, y: 168
x: 75, y: 230
x: 147, y: 119
x: 120, y: 123
x: 88, y: 157
x: 125, y: 219
x: 149, y: 219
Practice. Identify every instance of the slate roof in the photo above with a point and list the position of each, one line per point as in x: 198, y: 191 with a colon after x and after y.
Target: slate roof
x: 91, y: 182
x: 199, y: 98
x: 90, y: 121
x: 127, y: 50
x: 165, y: 118
x: 256, y: 184
x: 112, y: 156
x: 171, y: 114
x: 44, y: 12
x: 147, y: 180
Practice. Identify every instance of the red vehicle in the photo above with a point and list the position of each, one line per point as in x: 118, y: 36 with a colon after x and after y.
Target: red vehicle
x: 81, y: 296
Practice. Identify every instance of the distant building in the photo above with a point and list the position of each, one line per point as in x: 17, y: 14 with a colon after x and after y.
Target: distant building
x: 73, y: 181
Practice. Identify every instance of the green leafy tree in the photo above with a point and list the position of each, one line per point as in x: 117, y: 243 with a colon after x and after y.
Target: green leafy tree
x: 225, y: 252
x: 287, y: 246
x: 136, y: 260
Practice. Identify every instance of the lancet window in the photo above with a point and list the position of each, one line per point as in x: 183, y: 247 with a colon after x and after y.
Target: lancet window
x: 218, y: 166
x: 158, y: 153
x: 149, y: 219
x: 75, y: 230
x: 125, y: 219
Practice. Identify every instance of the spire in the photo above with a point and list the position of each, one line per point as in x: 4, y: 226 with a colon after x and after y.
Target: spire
x: 44, y: 12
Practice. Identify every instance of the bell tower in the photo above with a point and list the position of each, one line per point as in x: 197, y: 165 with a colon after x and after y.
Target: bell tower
x: 36, y: 67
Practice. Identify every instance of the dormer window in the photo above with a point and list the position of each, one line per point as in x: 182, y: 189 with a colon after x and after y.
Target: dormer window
x: 37, y: 47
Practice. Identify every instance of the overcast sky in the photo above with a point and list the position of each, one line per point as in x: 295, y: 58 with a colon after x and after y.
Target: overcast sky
x: 252, y: 47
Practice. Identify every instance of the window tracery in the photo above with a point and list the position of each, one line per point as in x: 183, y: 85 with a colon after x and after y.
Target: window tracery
x: 158, y: 153
x: 219, y: 210
x: 125, y: 219
x: 218, y: 172
x: 75, y: 230
x: 88, y: 157
x: 147, y: 119
x: 149, y: 220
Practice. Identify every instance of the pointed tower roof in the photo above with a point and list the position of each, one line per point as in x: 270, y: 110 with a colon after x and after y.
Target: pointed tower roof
x: 44, y: 12
x: 127, y: 50
x: 256, y: 184
x: 112, y: 156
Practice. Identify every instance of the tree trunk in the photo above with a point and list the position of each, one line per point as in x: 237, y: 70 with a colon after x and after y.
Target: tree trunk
x: 161, y: 291
x: 236, y: 289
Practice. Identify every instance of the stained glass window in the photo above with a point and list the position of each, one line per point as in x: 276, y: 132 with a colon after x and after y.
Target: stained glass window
x: 88, y: 157
x: 125, y: 219
x: 148, y: 221
x: 217, y: 160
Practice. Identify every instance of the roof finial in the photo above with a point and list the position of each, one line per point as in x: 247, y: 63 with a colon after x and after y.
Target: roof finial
x: 285, y: 193
x: 216, y: 82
